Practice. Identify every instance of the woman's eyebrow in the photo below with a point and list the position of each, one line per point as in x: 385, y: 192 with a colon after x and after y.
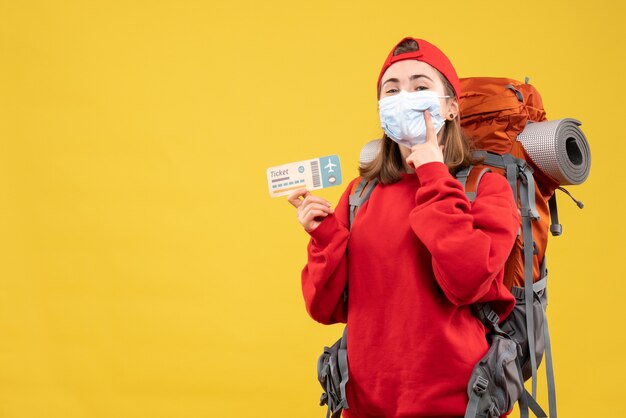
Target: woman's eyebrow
x: 416, y: 76
x: 391, y: 80
x: 413, y: 77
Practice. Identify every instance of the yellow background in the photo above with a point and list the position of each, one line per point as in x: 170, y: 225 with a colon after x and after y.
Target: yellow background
x: 144, y: 270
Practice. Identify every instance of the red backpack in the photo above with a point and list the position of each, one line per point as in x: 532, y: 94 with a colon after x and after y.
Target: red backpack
x: 494, y: 112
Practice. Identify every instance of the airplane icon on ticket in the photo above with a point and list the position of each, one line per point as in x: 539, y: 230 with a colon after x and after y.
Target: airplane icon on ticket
x: 330, y: 166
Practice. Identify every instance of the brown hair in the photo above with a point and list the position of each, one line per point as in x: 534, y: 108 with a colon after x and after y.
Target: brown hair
x: 388, y: 165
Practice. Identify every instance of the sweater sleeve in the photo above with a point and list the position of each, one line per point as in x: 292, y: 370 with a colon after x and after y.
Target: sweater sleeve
x: 469, y: 242
x: 325, y: 275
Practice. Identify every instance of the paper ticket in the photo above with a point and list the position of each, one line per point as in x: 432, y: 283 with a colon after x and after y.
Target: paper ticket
x: 314, y: 174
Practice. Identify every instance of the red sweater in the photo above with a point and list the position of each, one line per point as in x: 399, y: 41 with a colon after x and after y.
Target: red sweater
x: 418, y: 255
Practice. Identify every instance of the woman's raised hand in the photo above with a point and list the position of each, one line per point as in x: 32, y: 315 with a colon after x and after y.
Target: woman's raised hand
x: 311, y: 209
x: 430, y: 150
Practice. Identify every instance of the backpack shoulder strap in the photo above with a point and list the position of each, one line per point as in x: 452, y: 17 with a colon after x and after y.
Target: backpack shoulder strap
x: 359, y: 194
x: 520, y: 177
x: 469, y: 177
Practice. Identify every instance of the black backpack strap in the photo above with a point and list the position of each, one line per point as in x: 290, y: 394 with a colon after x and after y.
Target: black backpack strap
x: 520, y: 178
x: 342, y: 359
x: 472, y: 195
x: 539, y: 286
x: 479, y: 388
x: 490, y: 319
x: 511, y: 166
x: 360, y: 196
x: 506, y: 162
x: 462, y: 175
x: 527, y: 401
x: 527, y: 201
x: 338, y: 401
x: 555, y: 227
x: 332, y: 373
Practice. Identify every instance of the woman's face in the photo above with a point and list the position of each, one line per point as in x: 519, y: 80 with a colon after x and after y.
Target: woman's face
x: 413, y: 75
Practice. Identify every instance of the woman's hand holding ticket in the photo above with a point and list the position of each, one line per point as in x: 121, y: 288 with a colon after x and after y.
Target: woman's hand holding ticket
x: 311, y: 209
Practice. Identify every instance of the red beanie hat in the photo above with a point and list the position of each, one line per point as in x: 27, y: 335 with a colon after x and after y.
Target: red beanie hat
x: 428, y: 53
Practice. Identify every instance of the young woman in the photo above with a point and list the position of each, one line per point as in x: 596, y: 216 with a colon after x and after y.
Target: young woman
x: 419, y: 254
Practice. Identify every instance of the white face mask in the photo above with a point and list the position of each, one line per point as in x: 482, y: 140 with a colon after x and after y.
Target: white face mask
x: 402, y: 116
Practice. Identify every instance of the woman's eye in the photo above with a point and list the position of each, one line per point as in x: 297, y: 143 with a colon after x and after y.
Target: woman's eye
x: 419, y: 88
x: 392, y: 91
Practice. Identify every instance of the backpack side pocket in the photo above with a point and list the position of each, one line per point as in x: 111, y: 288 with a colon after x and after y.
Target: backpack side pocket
x: 496, y: 382
x: 332, y: 373
x: 515, y: 326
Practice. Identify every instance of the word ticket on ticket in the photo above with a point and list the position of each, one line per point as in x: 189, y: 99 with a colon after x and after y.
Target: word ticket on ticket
x: 314, y: 174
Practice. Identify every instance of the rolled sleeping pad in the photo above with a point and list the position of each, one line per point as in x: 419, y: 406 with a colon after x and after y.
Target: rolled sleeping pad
x: 559, y: 148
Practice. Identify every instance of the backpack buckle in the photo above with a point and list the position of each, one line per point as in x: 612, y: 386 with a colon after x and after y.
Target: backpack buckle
x: 493, y: 317
x: 480, y: 385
